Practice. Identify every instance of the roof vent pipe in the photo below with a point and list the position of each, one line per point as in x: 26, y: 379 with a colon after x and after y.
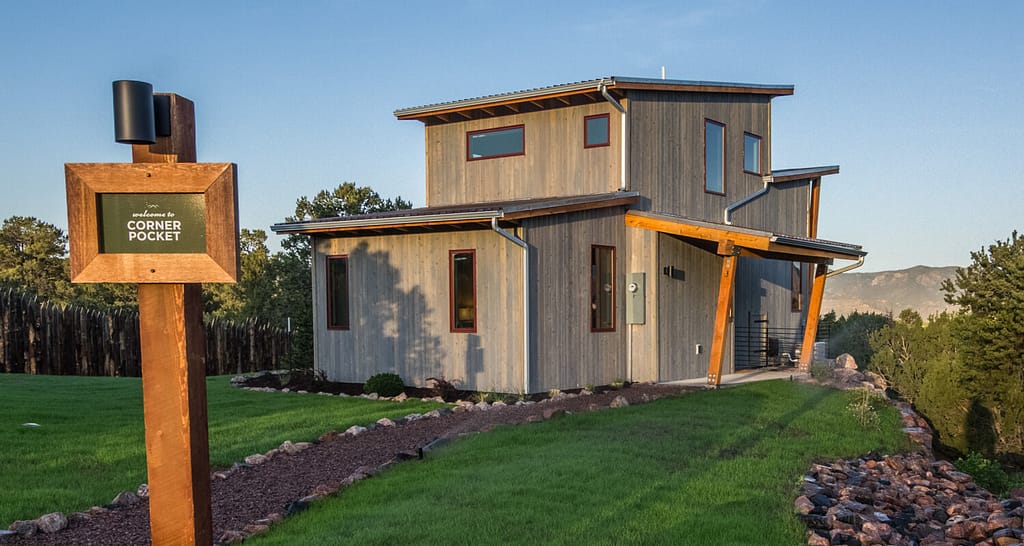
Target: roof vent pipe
x: 603, y: 88
x: 727, y: 215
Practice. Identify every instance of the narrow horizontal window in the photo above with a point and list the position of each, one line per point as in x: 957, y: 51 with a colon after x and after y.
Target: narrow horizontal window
x: 462, y: 267
x: 602, y: 288
x: 714, y: 157
x: 502, y: 142
x: 595, y: 131
x: 337, y: 293
x: 751, y: 153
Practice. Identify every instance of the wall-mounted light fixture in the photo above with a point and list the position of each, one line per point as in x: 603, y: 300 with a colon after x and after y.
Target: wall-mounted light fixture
x: 139, y: 116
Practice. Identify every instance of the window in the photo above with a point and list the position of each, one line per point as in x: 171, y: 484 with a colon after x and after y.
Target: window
x: 714, y: 157
x: 796, y: 289
x: 595, y: 131
x: 337, y: 293
x: 751, y: 153
x: 462, y: 270
x: 501, y: 142
x: 602, y: 288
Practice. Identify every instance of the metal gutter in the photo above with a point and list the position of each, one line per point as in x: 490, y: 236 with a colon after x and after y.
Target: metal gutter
x: 727, y: 213
x: 818, y: 244
x: 323, y: 225
x: 603, y: 88
x: 526, y: 299
x: 860, y: 262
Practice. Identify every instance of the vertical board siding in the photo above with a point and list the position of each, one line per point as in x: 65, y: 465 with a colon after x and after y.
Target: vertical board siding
x: 763, y: 291
x: 686, y: 310
x: 555, y: 163
x: 643, y: 258
x: 399, y: 311
x: 567, y: 353
x: 38, y: 337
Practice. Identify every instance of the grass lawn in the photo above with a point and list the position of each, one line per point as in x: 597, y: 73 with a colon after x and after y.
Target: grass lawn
x: 715, y: 467
x: 91, y: 442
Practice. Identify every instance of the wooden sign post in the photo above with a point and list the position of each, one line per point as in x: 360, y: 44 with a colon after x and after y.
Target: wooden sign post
x: 166, y: 223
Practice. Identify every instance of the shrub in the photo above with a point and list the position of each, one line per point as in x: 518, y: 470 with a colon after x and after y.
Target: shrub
x: 445, y: 389
x: 986, y: 473
x: 864, y: 411
x: 821, y: 371
x: 384, y: 384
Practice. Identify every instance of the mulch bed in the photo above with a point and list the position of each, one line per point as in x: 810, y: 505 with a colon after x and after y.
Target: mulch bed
x: 253, y: 493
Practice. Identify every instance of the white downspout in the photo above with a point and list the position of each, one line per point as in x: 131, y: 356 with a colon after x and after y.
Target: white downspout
x: 603, y: 88
x: 526, y: 299
x: 855, y: 265
x: 727, y: 214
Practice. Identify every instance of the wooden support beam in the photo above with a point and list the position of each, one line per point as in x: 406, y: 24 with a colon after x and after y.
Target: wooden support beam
x: 726, y: 285
x: 173, y: 344
x: 813, y: 312
x: 815, y: 200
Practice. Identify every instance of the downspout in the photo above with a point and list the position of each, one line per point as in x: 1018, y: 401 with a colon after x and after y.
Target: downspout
x: 727, y: 215
x: 603, y: 88
x: 526, y: 299
x: 855, y: 265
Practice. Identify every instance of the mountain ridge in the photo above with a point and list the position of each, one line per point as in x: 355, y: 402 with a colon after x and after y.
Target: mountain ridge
x: 918, y: 288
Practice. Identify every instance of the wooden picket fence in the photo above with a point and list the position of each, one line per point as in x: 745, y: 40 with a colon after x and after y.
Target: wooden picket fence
x: 39, y: 337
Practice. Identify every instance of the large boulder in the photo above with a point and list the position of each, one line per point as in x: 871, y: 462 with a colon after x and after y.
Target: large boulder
x: 846, y: 361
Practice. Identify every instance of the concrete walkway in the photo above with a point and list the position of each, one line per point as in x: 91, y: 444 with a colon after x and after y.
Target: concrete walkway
x: 787, y: 373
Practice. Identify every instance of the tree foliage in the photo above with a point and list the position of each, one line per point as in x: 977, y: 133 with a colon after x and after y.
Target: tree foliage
x: 850, y: 334
x: 33, y: 257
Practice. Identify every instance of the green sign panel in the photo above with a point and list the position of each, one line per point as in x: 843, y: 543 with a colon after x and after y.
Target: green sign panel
x: 152, y: 223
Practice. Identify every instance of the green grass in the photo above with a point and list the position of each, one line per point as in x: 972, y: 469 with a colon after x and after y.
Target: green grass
x: 91, y: 442
x: 716, y: 467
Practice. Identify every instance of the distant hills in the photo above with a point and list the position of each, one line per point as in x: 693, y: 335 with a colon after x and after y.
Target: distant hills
x: 918, y: 288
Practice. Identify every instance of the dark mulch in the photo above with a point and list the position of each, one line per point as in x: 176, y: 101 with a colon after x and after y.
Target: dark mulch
x: 250, y: 494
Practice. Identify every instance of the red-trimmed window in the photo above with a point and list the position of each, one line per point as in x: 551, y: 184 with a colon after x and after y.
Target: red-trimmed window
x: 751, y: 153
x: 337, y: 293
x: 714, y: 157
x: 602, y: 288
x: 796, y: 289
x: 595, y: 131
x: 500, y: 142
x: 462, y: 277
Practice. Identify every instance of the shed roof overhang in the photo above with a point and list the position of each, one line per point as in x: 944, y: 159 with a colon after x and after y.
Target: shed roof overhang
x: 572, y: 94
x: 733, y: 240
x: 451, y: 218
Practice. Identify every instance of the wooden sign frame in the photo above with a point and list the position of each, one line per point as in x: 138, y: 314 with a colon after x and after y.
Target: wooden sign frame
x: 217, y: 182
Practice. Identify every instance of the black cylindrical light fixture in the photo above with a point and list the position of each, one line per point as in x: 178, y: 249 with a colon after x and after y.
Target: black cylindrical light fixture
x: 133, y: 112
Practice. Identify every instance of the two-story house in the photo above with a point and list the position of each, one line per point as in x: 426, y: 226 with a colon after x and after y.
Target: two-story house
x: 612, y: 229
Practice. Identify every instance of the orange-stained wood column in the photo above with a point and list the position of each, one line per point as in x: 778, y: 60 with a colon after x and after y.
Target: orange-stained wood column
x: 726, y: 286
x: 174, y: 378
x: 174, y: 398
x: 813, y: 312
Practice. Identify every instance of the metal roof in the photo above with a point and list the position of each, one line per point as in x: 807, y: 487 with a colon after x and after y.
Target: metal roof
x: 611, y: 82
x: 786, y: 175
x: 452, y: 214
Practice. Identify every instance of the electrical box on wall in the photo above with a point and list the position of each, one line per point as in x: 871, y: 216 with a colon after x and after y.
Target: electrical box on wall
x: 635, y: 298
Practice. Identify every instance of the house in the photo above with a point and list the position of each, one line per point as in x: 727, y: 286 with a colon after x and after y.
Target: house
x: 577, y: 234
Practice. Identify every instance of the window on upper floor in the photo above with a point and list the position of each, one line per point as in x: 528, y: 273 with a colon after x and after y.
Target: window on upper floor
x: 595, y: 131
x: 337, y: 293
x: 714, y: 157
x: 751, y: 153
x: 602, y: 288
x: 461, y: 264
x: 500, y: 142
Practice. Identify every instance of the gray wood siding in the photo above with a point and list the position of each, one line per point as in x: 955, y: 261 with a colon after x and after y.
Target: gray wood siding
x: 399, y: 298
x: 666, y: 159
x: 686, y: 310
x: 555, y: 163
x: 567, y: 353
x: 763, y: 291
x: 644, y: 258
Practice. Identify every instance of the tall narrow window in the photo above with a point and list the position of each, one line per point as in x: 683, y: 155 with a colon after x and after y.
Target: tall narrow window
x: 501, y: 142
x: 462, y: 267
x: 595, y: 131
x: 796, y: 294
x: 602, y: 288
x: 714, y: 157
x: 751, y: 153
x: 337, y: 293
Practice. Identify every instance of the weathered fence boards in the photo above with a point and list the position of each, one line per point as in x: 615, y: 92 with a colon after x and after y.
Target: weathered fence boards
x: 39, y: 337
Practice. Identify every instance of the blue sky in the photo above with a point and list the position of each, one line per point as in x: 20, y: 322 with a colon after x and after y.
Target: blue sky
x: 919, y: 102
